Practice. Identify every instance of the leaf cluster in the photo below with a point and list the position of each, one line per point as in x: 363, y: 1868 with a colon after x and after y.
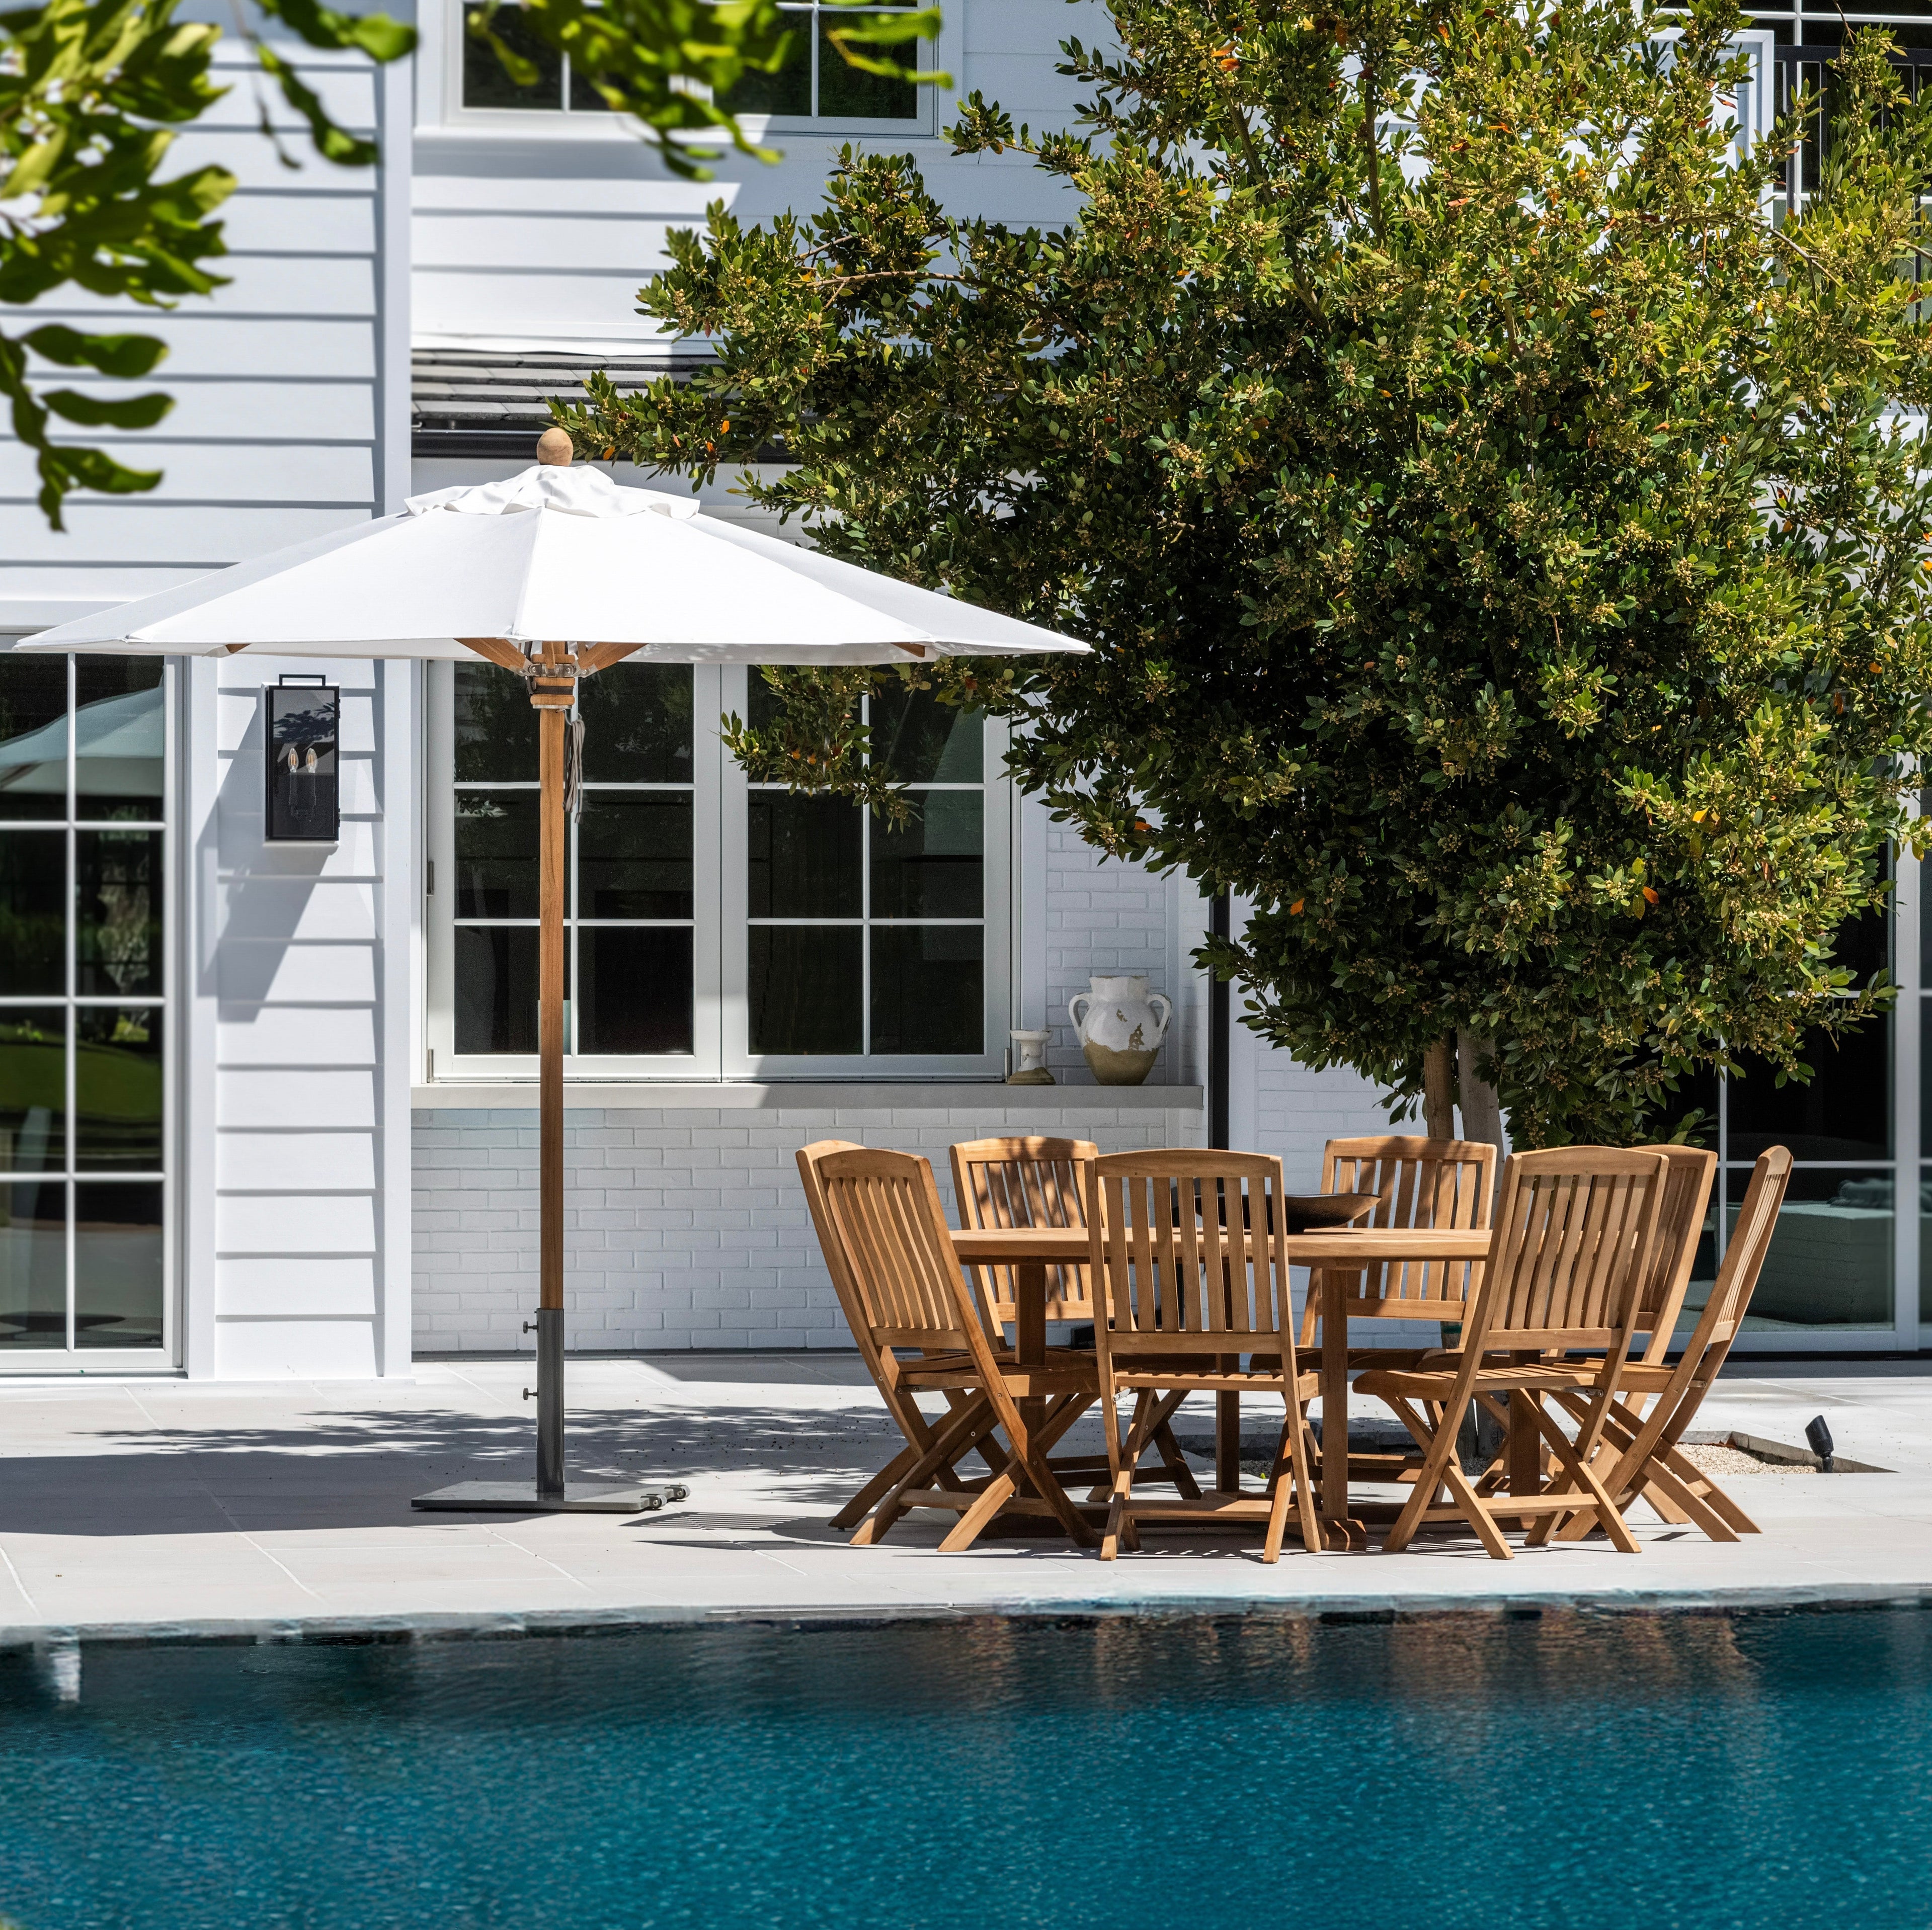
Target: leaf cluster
x: 1499, y: 510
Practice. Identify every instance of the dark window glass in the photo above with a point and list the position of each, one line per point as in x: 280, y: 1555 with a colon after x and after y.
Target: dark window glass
x: 1697, y: 1092
x: 33, y: 736
x: 1925, y: 1245
x: 117, y: 1088
x: 1829, y: 1263
x: 495, y: 970
x: 805, y: 990
x: 1862, y: 945
x: 118, y: 913
x: 926, y: 742
x: 786, y: 91
x: 585, y: 99
x: 636, y: 989
x: 33, y: 894
x: 637, y: 724
x: 117, y: 1265
x: 496, y: 728
x: 803, y: 857
x: 119, y: 742
x: 634, y: 855
x: 33, y: 1090
x: 1845, y: 1113
x: 484, y: 83
x: 33, y: 1264
x: 930, y: 867
x: 845, y: 94
x: 928, y: 988
x: 496, y: 854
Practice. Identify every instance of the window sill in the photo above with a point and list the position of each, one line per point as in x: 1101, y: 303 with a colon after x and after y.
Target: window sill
x: 815, y: 1095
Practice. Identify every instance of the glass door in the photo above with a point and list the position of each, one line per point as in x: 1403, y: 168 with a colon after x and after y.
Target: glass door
x: 84, y: 1268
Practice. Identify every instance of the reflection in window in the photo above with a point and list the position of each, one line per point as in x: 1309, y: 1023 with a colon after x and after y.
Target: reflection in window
x: 867, y: 938
x: 1830, y: 1262
x: 1844, y: 1113
x: 816, y: 80
x: 629, y: 967
x: 83, y: 900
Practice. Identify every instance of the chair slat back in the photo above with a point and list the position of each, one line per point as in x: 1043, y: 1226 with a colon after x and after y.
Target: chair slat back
x: 1026, y: 1183
x: 1189, y: 1248
x: 883, y: 1208
x: 1687, y: 1198
x: 1424, y: 1184
x: 1574, y: 1241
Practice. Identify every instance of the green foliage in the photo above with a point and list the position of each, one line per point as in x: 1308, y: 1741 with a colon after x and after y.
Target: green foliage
x: 1506, y: 554
x: 88, y: 90
x: 668, y: 63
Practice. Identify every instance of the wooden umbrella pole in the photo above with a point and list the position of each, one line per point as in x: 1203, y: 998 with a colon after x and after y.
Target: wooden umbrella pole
x: 552, y: 691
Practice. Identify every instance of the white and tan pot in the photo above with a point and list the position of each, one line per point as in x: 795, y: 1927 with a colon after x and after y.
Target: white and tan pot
x: 1119, y: 1031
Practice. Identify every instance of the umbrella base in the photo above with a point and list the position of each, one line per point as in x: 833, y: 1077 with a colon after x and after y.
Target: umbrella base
x: 521, y: 1497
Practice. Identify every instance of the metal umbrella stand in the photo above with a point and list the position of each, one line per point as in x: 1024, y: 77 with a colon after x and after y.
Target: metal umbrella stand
x: 520, y: 573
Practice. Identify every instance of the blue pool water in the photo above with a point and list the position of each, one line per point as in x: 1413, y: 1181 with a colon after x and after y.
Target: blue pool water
x: 1571, y: 1771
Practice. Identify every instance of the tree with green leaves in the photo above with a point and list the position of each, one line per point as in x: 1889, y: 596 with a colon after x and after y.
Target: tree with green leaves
x: 1496, y: 504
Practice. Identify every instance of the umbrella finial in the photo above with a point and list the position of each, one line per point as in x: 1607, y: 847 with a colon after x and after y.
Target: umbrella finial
x: 554, y: 449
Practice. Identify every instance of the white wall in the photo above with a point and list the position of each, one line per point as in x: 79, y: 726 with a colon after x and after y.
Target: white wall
x: 298, y: 1185
x: 290, y: 385
x: 536, y: 230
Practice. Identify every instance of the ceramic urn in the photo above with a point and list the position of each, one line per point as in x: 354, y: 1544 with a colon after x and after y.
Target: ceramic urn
x: 1120, y: 1030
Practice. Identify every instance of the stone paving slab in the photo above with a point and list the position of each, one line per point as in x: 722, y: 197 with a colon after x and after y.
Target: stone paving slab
x: 158, y: 1509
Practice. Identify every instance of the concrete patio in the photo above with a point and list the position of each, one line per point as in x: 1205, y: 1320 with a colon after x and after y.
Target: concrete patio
x: 132, y: 1508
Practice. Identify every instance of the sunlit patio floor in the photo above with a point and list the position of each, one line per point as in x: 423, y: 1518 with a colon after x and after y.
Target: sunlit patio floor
x: 132, y: 1506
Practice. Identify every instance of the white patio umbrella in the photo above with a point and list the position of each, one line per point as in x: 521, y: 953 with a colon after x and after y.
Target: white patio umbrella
x: 555, y: 574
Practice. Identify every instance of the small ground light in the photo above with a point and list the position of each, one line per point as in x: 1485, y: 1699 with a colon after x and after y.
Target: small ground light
x: 303, y: 729
x: 1819, y: 1435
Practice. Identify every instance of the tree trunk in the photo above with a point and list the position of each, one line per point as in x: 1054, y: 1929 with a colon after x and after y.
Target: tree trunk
x: 1482, y: 1111
x: 1438, y: 1091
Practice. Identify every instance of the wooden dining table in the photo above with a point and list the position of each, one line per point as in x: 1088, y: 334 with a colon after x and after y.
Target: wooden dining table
x: 1335, y: 1256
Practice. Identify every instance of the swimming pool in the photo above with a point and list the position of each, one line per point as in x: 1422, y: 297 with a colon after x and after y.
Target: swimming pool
x: 1566, y: 1769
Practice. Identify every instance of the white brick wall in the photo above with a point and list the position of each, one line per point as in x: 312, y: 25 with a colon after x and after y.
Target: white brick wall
x: 684, y: 1228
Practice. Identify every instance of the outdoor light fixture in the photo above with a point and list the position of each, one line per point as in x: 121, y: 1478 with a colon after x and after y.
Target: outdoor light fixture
x: 303, y: 728
x: 1819, y: 1435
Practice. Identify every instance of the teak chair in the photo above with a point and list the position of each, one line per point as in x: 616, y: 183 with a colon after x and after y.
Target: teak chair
x: 1647, y: 1459
x: 1042, y: 1182
x: 880, y: 1212
x: 1572, y: 1245
x: 1419, y: 1183
x: 1189, y: 1250
x: 1687, y: 1198
x: 1423, y: 1183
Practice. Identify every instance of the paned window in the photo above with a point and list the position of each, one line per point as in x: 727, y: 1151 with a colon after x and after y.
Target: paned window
x: 83, y: 866
x: 717, y: 929
x: 816, y: 83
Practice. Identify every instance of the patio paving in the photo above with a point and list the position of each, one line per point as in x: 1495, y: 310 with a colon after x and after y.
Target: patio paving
x: 143, y: 1507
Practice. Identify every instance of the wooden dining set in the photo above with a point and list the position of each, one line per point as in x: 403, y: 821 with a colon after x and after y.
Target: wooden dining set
x: 1556, y: 1398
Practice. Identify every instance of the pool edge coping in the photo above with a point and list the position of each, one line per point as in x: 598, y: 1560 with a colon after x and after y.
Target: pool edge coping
x: 488, y: 1625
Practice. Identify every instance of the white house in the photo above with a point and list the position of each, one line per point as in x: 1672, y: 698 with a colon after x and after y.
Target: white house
x: 267, y: 1109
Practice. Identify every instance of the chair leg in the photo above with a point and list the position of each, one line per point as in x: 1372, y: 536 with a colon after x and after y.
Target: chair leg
x: 1438, y: 1450
x: 888, y: 1478
x: 1121, y: 1491
x: 962, y: 1429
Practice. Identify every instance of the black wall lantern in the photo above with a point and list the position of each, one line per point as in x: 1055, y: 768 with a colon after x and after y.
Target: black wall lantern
x: 304, y: 798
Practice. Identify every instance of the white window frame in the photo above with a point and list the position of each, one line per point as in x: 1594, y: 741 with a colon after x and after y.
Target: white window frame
x: 166, y: 1357
x: 443, y: 38
x: 996, y: 844
x: 719, y: 795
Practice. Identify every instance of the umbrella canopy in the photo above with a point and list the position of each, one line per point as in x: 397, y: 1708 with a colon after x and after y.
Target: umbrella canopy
x: 554, y: 553
x: 555, y: 574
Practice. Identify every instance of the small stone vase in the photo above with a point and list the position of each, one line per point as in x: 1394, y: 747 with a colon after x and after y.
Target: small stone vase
x: 1119, y: 1031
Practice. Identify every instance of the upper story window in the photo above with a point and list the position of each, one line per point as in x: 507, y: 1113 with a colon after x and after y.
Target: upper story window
x: 816, y: 84
x: 717, y: 929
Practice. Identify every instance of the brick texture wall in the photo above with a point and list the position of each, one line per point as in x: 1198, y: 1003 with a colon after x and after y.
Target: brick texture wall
x: 685, y: 1227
